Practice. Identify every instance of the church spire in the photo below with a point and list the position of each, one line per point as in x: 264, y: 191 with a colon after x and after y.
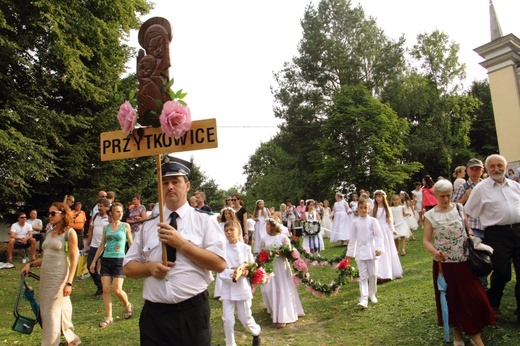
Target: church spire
x: 496, y: 31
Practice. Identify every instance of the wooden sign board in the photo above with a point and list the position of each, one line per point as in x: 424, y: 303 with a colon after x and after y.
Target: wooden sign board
x: 118, y: 145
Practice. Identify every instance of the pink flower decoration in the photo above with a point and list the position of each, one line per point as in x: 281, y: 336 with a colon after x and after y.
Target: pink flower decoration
x: 308, y: 289
x: 175, y: 119
x: 296, y: 280
x: 295, y: 254
x: 317, y: 293
x: 336, y: 290
x: 324, y: 263
x: 300, y: 265
x: 314, y: 263
x: 307, y: 249
x: 126, y: 117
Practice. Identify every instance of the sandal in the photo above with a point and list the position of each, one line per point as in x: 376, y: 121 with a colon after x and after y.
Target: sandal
x: 128, y: 311
x: 106, y: 322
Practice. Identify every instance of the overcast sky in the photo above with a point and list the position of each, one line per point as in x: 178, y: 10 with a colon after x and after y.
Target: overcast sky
x: 224, y: 54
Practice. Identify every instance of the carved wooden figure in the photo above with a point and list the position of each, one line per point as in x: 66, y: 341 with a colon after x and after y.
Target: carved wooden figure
x: 153, y: 66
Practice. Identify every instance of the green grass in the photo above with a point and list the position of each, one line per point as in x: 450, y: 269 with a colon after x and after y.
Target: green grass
x: 405, y: 314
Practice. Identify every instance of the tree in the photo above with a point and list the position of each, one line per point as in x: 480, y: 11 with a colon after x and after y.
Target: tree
x: 59, y: 61
x: 340, y: 46
x: 363, y: 142
x: 483, y: 132
x: 429, y: 95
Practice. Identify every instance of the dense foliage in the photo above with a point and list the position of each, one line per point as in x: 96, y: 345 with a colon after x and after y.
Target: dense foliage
x: 360, y: 110
x: 357, y: 108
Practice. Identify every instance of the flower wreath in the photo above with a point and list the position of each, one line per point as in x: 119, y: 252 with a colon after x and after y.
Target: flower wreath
x: 311, y: 228
x: 265, y: 258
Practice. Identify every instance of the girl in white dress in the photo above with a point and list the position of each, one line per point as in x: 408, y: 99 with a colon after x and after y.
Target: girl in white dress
x: 400, y: 225
x: 409, y: 208
x: 342, y: 223
x: 326, y: 222
x: 354, y: 205
x: 260, y: 214
x: 389, y: 264
x: 280, y: 295
x: 313, y: 243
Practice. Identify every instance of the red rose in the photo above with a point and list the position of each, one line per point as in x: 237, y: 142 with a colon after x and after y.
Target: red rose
x: 263, y: 256
x: 343, y: 264
x: 257, y: 277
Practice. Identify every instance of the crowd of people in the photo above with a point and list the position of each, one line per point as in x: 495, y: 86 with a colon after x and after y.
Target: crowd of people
x: 374, y: 230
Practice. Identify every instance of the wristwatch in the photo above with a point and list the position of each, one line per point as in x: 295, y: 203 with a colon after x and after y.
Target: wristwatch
x: 68, y: 284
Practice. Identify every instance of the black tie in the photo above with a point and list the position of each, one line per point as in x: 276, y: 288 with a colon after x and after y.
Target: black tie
x: 171, y: 252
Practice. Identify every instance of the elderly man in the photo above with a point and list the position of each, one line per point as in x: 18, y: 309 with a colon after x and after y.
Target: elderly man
x: 21, y: 238
x: 176, y: 309
x: 474, y: 169
x: 496, y: 202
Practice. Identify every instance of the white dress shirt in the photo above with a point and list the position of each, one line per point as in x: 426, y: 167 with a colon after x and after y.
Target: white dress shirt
x: 236, y: 255
x: 365, y: 238
x: 185, y: 280
x: 495, y: 204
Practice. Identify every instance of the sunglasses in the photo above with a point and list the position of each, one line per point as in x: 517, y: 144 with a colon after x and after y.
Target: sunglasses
x: 23, y: 217
x: 53, y: 213
x: 227, y: 200
x: 234, y: 199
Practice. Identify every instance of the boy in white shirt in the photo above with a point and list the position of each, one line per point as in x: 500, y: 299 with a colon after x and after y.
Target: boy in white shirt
x: 366, y: 244
x: 236, y: 289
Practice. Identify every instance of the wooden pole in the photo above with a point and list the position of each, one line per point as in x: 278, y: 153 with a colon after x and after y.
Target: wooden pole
x: 161, y: 203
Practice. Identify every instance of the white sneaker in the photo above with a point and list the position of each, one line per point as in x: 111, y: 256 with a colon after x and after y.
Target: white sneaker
x: 373, y: 299
x: 363, y: 303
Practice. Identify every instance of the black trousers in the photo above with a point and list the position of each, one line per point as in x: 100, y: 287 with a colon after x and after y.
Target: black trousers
x: 505, y: 241
x: 185, y: 323
x: 95, y: 276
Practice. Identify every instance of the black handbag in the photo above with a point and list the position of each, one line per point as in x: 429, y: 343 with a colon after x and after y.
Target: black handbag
x: 24, y: 324
x: 480, y: 260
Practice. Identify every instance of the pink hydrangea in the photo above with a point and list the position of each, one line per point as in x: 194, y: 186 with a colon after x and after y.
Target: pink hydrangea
x: 175, y: 119
x: 127, y: 117
x: 300, y: 265
x: 295, y: 254
x: 296, y: 280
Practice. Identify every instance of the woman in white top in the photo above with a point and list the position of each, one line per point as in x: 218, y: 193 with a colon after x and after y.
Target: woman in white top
x: 459, y: 174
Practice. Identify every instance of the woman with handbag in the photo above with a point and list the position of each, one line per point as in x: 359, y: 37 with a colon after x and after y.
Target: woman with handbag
x: 57, y: 276
x: 445, y: 237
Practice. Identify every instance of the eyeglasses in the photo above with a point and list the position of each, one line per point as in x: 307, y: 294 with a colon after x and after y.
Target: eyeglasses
x: 23, y: 217
x: 227, y: 200
x: 233, y: 199
x: 53, y: 213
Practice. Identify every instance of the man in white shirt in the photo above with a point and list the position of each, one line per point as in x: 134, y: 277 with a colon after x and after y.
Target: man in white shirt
x: 21, y: 238
x: 95, y: 210
x: 37, y: 227
x: 496, y: 202
x: 95, y: 234
x: 176, y: 309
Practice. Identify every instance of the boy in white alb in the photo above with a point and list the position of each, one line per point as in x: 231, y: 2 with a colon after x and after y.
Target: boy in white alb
x: 236, y: 289
x: 366, y: 244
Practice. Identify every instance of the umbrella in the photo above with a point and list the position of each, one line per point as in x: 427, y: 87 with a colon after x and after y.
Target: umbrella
x: 28, y: 294
x: 442, y: 286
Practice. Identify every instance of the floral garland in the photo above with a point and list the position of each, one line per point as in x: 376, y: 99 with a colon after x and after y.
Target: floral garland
x: 301, y: 271
x: 175, y: 117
